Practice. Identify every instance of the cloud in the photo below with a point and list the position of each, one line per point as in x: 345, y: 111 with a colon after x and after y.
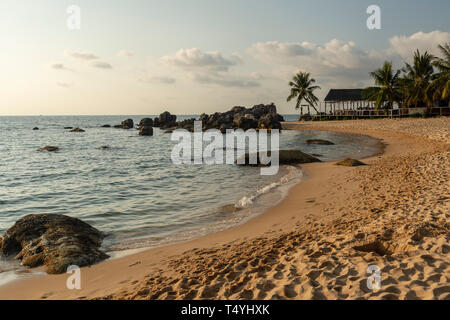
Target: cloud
x: 223, y: 81
x: 257, y: 76
x: 196, y: 59
x: 334, y: 62
x: 101, y: 65
x: 162, y: 80
x: 59, y: 66
x: 125, y: 53
x: 405, y: 46
x: 81, y: 55
x: 338, y: 63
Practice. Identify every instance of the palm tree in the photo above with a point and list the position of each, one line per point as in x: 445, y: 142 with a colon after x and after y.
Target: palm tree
x: 302, y: 87
x: 387, y: 86
x: 417, y: 79
x: 441, y: 84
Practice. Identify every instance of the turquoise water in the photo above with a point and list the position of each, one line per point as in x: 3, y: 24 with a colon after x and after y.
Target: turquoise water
x: 131, y: 190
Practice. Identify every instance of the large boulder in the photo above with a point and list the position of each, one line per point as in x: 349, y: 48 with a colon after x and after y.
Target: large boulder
x: 291, y: 157
x: 146, y: 131
x: 269, y: 121
x: 127, y: 124
x: 53, y: 240
x: 148, y: 122
x: 77, y: 130
x: 245, y: 121
x: 167, y: 120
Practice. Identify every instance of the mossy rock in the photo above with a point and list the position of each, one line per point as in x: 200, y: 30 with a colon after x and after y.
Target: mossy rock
x: 54, y: 241
x: 350, y: 163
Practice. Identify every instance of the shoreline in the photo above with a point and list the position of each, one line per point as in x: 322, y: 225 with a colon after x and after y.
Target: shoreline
x: 304, y: 208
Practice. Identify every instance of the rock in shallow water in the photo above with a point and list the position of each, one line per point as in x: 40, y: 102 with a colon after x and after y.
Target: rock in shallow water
x: 53, y: 240
x: 319, y: 141
x: 49, y: 148
x: 350, y: 163
x: 287, y: 157
x: 146, y: 131
x: 77, y: 130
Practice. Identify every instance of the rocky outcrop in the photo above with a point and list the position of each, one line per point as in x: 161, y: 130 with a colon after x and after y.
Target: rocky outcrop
x: 53, y: 240
x: 350, y: 163
x: 35, y: 128
x: 258, y: 117
x: 77, y: 130
x: 106, y: 126
x: 319, y: 141
x: 49, y: 148
x: 127, y: 124
x: 291, y: 157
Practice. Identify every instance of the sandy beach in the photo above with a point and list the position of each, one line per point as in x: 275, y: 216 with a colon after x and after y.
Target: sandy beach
x: 316, y: 244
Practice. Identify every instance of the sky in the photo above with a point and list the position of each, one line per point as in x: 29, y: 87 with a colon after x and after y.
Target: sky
x: 188, y: 57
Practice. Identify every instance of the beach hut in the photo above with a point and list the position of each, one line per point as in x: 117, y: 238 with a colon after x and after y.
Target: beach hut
x: 347, y: 102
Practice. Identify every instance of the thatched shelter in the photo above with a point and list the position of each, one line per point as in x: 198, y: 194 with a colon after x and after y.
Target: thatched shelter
x: 344, y: 102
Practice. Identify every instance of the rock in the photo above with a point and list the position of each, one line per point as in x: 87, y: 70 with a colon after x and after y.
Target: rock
x: 258, y: 117
x: 118, y: 126
x: 35, y: 128
x: 77, y: 130
x: 269, y: 121
x: 49, y: 148
x: 245, y: 121
x: 146, y: 131
x: 319, y: 141
x: 350, y: 163
x: 288, y: 157
x: 168, y: 131
x: 167, y: 120
x: 53, y: 240
x: 127, y: 124
x: 106, y: 126
x: 146, y: 122
x: 156, y: 122
x: 68, y: 128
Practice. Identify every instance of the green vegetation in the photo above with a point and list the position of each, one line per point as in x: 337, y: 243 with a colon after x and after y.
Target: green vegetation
x: 302, y: 87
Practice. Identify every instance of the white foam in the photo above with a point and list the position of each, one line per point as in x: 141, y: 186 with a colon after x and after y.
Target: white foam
x: 293, y: 175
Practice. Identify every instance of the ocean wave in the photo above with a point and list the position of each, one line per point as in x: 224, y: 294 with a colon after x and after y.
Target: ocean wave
x: 293, y: 174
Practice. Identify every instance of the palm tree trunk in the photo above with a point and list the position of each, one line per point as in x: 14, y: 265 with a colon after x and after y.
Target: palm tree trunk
x: 313, y: 108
